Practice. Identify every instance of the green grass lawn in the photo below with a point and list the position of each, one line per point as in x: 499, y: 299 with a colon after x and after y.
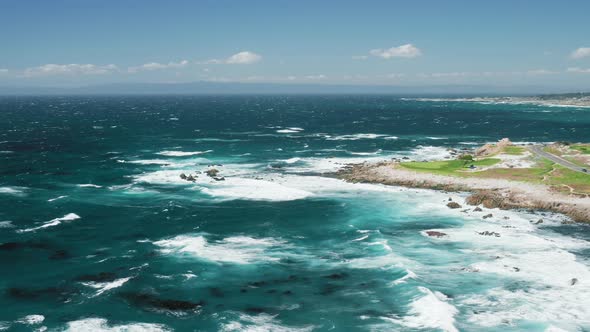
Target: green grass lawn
x: 583, y: 148
x: 447, y: 167
x: 514, y: 150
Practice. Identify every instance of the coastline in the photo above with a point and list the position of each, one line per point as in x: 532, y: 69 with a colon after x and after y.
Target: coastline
x: 490, y: 193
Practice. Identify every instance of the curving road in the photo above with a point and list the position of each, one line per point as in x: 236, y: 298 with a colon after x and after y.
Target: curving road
x: 538, y: 150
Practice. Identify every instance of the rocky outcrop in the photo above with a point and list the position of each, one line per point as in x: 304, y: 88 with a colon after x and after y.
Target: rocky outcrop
x: 212, y: 172
x: 454, y: 205
x: 491, y: 149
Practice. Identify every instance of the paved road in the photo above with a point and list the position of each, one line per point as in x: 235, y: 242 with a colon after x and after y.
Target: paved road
x: 538, y: 150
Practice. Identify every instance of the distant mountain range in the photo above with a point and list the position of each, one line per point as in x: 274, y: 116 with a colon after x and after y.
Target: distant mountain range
x: 275, y: 88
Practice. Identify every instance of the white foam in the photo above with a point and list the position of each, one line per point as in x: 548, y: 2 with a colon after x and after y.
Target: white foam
x: 430, y: 311
x: 56, y: 198
x: 182, y: 153
x: 16, y: 191
x: 353, y: 137
x: 236, y: 249
x: 6, y: 224
x: 89, y: 185
x: 289, y: 130
x: 53, y: 222
x: 105, y: 286
x: 102, y: 325
x: 261, y: 323
x: 292, y: 160
x: 32, y: 319
x: 250, y: 189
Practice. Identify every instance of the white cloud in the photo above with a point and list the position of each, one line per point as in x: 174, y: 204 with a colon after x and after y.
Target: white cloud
x: 3, y: 70
x: 240, y: 58
x: 581, y: 52
x: 578, y: 70
x: 403, y: 51
x: 316, y: 77
x: 157, y: 66
x: 69, y: 69
x: 243, y: 58
x: 541, y: 72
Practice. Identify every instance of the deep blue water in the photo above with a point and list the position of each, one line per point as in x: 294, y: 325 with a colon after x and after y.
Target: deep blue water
x: 98, y: 231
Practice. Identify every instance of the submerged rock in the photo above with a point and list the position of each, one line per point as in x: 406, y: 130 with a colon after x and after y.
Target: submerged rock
x: 150, y: 301
x: 99, y: 277
x: 489, y: 215
x: 435, y: 234
x: 477, y: 209
x: 487, y: 233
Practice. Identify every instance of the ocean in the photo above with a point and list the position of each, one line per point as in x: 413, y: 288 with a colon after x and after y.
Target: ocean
x: 98, y: 232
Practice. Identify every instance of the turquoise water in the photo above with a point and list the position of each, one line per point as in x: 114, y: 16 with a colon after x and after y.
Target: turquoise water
x: 99, y: 233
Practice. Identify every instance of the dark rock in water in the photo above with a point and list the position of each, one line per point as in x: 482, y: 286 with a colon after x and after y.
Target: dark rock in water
x: 11, y: 246
x: 216, y: 292
x: 477, y: 209
x: 60, y: 254
x: 573, y: 281
x: 60, y: 294
x: 337, y: 276
x: 540, y: 221
x: 191, y: 178
x: 183, y: 176
x: 487, y: 233
x: 405, y: 158
x: 435, y: 234
x: 255, y: 310
x: 212, y: 172
x: 258, y: 283
x: 219, y: 178
x: 516, y: 269
x: 99, y: 277
x: 454, y: 205
x: 150, y: 301
x: 489, y: 215
x: 450, y: 199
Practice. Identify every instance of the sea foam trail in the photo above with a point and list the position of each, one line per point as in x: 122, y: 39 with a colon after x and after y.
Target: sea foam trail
x: 235, y: 249
x: 16, y: 191
x: 261, y: 323
x: 53, y: 222
x: 105, y: 286
x: 102, y: 325
x: 182, y: 153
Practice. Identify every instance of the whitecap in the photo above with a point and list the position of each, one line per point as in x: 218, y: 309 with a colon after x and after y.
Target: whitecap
x: 16, y: 191
x: 54, y: 222
x: 431, y: 310
x: 235, y: 249
x: 105, y: 286
x: 102, y: 325
x: 353, y: 137
x: 182, y: 153
x: 6, y: 224
x: 32, y: 319
x: 56, y: 198
x: 89, y: 185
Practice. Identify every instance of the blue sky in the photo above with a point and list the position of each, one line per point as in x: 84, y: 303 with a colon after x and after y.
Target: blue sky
x: 406, y: 43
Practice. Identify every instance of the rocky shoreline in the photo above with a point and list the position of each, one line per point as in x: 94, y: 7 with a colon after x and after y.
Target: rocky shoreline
x: 489, y: 193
